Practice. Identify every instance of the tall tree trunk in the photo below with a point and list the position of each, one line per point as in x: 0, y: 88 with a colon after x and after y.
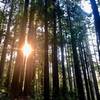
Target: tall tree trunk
x: 69, y: 68
x: 11, y: 57
x: 96, y: 21
x: 46, y: 66
x: 62, y: 54
x: 88, y: 75
x: 93, y: 73
x: 84, y: 71
x: 96, y: 16
x: 19, y: 66
x: 54, y: 54
x: 30, y: 60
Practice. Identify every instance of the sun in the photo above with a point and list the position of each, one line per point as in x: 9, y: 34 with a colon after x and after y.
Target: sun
x: 26, y: 49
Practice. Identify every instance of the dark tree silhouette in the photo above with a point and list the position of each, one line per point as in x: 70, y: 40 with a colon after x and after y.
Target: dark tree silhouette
x: 54, y: 54
x: 46, y: 66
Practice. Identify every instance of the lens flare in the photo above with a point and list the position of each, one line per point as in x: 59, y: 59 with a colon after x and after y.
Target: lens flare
x: 26, y: 49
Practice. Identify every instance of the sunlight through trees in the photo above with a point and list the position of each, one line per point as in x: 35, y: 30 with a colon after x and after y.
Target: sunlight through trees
x: 49, y: 50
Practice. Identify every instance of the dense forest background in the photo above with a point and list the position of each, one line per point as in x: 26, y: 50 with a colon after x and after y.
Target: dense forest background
x: 49, y: 50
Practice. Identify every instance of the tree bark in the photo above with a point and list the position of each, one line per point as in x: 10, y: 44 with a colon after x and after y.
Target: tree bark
x: 62, y: 55
x: 46, y: 66
x: 54, y: 55
x: 97, y: 22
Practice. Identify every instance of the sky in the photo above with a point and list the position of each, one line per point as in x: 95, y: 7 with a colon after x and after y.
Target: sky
x: 1, y: 5
x: 85, y: 5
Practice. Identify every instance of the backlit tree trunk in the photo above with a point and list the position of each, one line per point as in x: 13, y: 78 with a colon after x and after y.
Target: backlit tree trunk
x: 18, y: 75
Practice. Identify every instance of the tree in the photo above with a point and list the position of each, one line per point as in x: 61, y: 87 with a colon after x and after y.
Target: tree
x: 59, y: 12
x: 78, y: 76
x: 19, y: 66
x: 96, y: 20
x: 46, y: 66
x: 54, y: 55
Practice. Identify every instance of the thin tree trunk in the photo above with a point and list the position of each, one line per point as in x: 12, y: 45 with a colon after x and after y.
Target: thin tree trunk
x: 62, y: 55
x: 46, y: 66
x: 30, y: 60
x: 54, y: 54
x: 93, y: 74
x: 11, y: 58
x: 84, y: 72
x: 88, y: 75
x: 97, y: 22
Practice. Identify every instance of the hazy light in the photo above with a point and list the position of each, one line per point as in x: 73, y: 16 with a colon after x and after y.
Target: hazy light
x: 26, y: 49
x: 85, y: 5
